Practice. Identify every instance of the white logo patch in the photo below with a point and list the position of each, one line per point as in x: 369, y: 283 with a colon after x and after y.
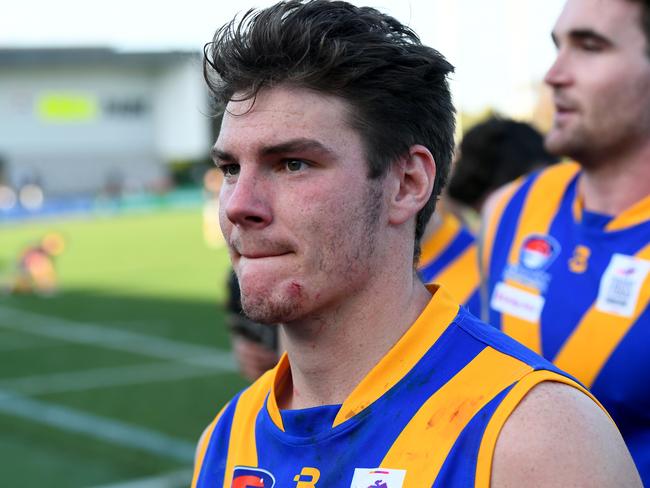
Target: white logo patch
x: 621, y: 285
x: 518, y: 303
x: 378, y: 478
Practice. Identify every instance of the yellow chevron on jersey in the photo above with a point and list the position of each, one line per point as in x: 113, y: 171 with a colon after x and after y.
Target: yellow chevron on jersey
x: 403, y: 356
x: 441, y: 238
x: 462, y: 278
x: 441, y: 419
x: 490, y: 227
x: 636, y: 214
x: 590, y: 345
x: 584, y: 301
x: 540, y: 207
x: 510, y: 402
x: 418, y: 412
x: 450, y: 256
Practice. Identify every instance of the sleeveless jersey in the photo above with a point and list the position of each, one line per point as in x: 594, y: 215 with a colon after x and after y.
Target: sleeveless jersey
x: 428, y: 414
x: 574, y: 286
x: 450, y: 256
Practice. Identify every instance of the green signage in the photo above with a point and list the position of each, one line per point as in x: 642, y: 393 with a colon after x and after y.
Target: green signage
x: 66, y: 107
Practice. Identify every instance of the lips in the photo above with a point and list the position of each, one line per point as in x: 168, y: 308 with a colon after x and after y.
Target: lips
x: 262, y: 254
x: 563, y: 105
x: 259, y: 248
x: 564, y: 110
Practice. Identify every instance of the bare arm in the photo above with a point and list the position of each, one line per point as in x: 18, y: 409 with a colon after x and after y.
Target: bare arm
x: 558, y: 436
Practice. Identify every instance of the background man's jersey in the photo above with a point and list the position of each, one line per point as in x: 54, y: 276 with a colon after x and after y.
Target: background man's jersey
x: 450, y: 256
x: 574, y: 286
x: 428, y: 414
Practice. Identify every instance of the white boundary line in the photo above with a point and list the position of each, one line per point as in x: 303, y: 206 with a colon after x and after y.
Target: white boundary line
x: 111, y: 338
x: 195, y: 360
x: 103, y: 378
x: 105, y: 429
x: 175, y: 479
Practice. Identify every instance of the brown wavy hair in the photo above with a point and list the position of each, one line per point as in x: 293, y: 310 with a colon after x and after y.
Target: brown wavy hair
x: 396, y: 87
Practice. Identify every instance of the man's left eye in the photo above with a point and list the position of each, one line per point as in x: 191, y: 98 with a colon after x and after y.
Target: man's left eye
x: 294, y: 164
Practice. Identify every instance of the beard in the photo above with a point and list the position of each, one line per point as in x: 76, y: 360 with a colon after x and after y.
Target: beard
x: 269, y: 309
x: 343, y: 256
x: 567, y: 143
x: 595, y: 146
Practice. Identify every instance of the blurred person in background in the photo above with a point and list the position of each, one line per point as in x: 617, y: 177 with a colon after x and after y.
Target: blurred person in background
x: 567, y: 251
x: 491, y: 153
x: 335, y: 145
x: 35, y: 270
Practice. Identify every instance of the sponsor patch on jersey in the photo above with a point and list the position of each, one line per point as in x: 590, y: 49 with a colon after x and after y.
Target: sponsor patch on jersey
x: 247, y: 477
x: 378, y: 478
x: 537, y: 253
x: 518, y: 303
x: 620, y: 285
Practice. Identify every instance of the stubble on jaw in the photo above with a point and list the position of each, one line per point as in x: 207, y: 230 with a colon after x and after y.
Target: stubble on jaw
x: 591, y: 147
x: 562, y: 142
x: 291, y: 300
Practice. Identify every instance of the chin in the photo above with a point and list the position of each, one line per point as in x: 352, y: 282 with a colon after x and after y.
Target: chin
x: 558, y: 143
x: 267, y: 310
x: 553, y: 146
x: 273, y: 304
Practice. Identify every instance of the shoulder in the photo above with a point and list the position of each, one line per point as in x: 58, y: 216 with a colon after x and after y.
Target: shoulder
x: 498, y: 197
x: 552, y: 179
x: 558, y: 436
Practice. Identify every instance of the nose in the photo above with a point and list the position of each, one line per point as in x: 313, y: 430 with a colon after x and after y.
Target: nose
x: 245, y: 203
x: 558, y: 74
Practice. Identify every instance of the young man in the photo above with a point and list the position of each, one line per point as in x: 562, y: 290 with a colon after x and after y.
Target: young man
x: 335, y: 143
x: 567, y: 251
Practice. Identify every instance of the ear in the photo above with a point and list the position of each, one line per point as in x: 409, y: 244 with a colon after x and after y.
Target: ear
x: 412, y: 184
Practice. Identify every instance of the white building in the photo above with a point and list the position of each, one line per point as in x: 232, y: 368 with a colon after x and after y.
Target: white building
x: 76, y: 119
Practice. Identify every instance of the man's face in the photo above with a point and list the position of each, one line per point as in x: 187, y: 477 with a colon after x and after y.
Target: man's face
x: 600, y: 80
x: 298, y: 212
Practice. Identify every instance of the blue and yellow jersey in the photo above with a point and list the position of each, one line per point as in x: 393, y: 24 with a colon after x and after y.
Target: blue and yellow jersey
x: 450, y: 256
x: 428, y: 414
x: 574, y: 286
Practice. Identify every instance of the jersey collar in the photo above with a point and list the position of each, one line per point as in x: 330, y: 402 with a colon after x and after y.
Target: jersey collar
x: 400, y: 359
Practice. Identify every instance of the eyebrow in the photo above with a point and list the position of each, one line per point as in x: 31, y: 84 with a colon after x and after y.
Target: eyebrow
x: 219, y: 155
x: 290, y: 146
x: 583, y: 34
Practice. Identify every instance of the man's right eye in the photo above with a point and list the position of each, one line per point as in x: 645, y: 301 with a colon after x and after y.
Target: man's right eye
x: 229, y: 169
x: 591, y: 44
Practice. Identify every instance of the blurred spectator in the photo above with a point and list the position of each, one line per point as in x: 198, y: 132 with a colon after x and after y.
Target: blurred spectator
x: 491, y: 154
x: 8, y: 198
x: 35, y: 267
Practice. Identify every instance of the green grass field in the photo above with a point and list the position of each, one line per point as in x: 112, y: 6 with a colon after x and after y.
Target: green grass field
x: 110, y: 381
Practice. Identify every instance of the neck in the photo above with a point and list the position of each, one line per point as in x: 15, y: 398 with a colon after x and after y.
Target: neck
x: 330, y: 354
x: 611, y: 186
